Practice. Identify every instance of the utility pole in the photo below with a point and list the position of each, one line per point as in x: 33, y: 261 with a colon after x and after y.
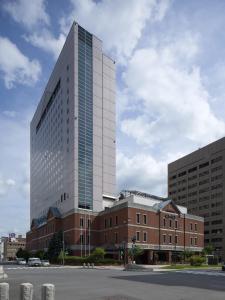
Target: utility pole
x: 63, y: 249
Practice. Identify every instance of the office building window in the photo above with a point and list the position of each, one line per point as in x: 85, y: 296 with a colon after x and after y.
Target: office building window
x: 170, y: 239
x: 116, y: 222
x: 176, y: 224
x: 195, y: 226
x: 191, y: 226
x: 164, y: 222
x: 176, y: 239
x: 164, y: 238
x: 110, y: 222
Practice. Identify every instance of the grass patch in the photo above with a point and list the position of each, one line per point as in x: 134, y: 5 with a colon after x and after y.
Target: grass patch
x: 188, y: 267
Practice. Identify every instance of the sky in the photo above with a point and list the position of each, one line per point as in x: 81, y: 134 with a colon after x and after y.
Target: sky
x: 170, y: 73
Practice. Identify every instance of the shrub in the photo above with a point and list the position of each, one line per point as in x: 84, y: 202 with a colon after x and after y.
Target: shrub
x: 197, y: 260
x: 98, y: 254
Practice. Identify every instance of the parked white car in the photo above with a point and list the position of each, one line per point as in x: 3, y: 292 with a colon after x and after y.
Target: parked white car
x: 45, y: 263
x: 21, y: 261
x: 34, y: 262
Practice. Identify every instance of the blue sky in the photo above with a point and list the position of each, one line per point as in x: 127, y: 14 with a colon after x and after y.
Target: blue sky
x: 170, y: 84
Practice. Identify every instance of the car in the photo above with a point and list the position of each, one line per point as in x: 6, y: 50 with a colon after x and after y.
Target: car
x: 223, y: 267
x: 45, y: 263
x: 34, y: 262
x: 21, y: 261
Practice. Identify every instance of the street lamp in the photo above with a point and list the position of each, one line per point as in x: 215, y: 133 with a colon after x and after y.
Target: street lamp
x: 123, y: 247
x: 133, y: 246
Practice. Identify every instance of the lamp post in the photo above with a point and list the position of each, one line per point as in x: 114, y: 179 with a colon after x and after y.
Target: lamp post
x: 133, y: 246
x: 123, y: 247
x: 175, y: 245
x: 63, y: 244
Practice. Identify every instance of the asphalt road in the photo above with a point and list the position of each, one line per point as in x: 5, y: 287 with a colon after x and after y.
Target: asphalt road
x: 74, y: 284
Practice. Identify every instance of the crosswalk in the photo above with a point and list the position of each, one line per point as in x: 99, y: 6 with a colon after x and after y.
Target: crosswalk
x: 37, y: 268
x: 203, y: 272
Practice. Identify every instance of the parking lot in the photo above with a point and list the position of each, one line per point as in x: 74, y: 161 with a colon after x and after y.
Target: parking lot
x: 79, y: 283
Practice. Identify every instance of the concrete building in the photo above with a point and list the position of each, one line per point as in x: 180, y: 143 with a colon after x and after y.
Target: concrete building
x: 1, y: 248
x: 11, y: 245
x: 197, y: 181
x: 163, y: 229
x: 72, y: 133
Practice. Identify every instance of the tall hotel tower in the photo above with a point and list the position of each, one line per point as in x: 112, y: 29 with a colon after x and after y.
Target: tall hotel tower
x: 72, y: 136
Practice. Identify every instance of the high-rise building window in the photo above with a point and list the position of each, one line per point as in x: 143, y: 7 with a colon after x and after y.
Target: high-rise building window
x: 85, y: 120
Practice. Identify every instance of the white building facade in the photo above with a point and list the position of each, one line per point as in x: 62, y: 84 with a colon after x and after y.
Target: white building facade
x: 72, y: 133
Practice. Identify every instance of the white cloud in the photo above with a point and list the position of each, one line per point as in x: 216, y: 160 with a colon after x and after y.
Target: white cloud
x: 118, y: 23
x: 28, y: 13
x: 5, y: 185
x: 14, y: 172
x: 15, y: 67
x: 176, y: 111
x: 9, y: 113
x: 46, y: 41
x: 142, y: 172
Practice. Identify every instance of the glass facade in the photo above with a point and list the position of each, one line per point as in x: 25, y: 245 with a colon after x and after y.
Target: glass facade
x: 85, y: 120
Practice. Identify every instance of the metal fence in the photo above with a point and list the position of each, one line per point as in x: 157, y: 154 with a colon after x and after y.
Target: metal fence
x: 27, y: 291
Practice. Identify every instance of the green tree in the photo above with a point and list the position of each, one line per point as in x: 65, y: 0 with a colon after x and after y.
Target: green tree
x: 135, y: 252
x: 40, y: 253
x: 208, y: 250
x: 23, y: 253
x: 55, y: 245
x: 187, y: 255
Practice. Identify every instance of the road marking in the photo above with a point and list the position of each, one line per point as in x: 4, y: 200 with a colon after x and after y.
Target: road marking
x: 28, y: 268
x: 209, y: 273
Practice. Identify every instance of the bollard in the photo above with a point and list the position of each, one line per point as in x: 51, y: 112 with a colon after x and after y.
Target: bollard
x: 92, y: 265
x: 88, y: 265
x: 48, y: 291
x: 26, y: 291
x: 84, y: 265
x: 4, y: 291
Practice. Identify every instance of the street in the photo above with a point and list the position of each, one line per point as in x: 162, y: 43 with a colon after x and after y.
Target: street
x: 75, y: 283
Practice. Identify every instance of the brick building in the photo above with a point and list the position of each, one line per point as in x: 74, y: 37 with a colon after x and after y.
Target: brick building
x: 161, y: 228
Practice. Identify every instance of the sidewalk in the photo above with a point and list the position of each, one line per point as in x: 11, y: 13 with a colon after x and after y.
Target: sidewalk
x: 3, y: 275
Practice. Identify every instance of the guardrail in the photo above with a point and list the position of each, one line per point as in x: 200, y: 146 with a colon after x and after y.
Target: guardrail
x: 27, y: 291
